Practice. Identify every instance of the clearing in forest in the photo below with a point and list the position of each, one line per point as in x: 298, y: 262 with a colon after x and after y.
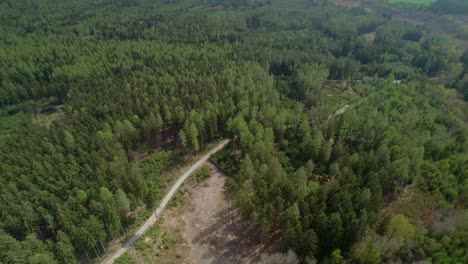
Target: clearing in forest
x: 202, y: 227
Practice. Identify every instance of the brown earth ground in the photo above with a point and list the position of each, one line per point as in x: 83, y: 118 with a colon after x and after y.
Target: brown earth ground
x: 203, y: 228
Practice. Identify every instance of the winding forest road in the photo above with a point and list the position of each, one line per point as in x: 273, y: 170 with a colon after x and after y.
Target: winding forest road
x: 163, y: 204
x: 339, y: 111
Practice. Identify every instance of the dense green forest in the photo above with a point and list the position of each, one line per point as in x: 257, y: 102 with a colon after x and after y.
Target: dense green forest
x: 87, y: 86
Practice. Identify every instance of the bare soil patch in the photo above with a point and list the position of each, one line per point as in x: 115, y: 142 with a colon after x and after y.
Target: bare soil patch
x: 207, y: 229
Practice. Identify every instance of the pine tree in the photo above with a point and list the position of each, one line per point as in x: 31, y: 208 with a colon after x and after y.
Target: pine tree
x: 182, y: 139
x: 192, y: 137
x: 292, y: 227
x: 246, y: 170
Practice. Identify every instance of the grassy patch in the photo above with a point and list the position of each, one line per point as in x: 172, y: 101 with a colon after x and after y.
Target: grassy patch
x: 177, y: 199
x: 141, y: 245
x: 168, y: 240
x: 370, y: 37
x: 155, y: 230
x: 202, y: 174
x: 124, y: 259
x: 46, y: 119
x: 143, y: 216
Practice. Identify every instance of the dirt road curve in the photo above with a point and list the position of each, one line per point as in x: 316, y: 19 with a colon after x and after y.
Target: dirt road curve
x: 163, y: 204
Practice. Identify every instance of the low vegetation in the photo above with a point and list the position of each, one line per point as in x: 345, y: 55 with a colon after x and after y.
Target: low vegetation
x: 414, y: 2
x: 202, y: 174
x: 141, y: 84
x: 124, y: 259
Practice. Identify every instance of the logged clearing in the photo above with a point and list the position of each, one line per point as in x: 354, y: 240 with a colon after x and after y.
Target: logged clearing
x: 46, y: 119
x: 203, y: 228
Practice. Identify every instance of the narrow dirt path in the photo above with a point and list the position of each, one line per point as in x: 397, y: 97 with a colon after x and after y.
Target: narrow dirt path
x: 163, y: 204
x: 209, y: 229
x: 212, y: 229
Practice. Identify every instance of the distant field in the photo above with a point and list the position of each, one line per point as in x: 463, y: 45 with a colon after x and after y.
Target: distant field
x: 415, y: 2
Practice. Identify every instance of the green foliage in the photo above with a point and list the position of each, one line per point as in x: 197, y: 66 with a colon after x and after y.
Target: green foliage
x: 154, y: 231
x: 371, y: 160
x: 158, y: 76
x: 336, y: 258
x: 124, y: 259
x: 225, y: 162
x: 400, y: 227
x: 192, y: 137
x: 177, y: 199
x: 168, y: 240
x: 366, y: 253
x: 153, y: 165
x: 141, y: 245
x: 68, y: 140
x: 293, y: 227
x: 182, y: 139
x: 202, y: 174
x: 64, y: 249
x: 11, y: 119
x: 310, y: 79
x: 122, y: 201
